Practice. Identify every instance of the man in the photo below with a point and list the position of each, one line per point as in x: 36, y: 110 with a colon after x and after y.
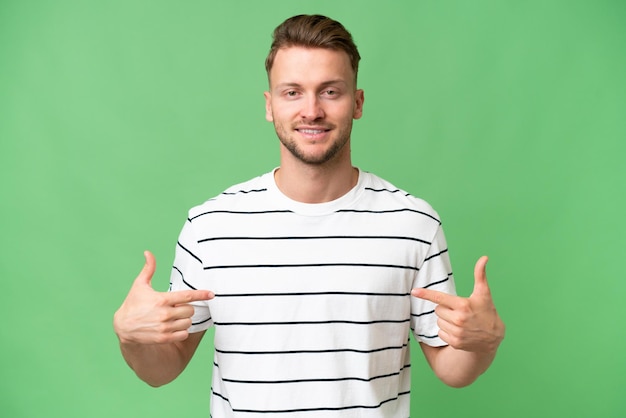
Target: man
x: 315, y: 274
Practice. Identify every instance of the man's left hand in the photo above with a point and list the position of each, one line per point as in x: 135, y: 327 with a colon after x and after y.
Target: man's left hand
x: 469, y: 324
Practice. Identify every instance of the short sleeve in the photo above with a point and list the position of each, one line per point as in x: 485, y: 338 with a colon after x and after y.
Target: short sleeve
x: 435, y: 273
x: 187, y: 272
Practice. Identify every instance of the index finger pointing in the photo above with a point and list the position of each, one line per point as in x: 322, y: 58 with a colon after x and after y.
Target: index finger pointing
x: 434, y: 296
x: 187, y: 296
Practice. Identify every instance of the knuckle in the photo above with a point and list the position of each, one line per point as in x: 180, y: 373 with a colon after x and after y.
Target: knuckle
x: 160, y: 299
x: 462, y: 334
x: 162, y: 329
x: 163, y: 317
x: 453, y: 341
x: 464, y: 305
x: 461, y: 321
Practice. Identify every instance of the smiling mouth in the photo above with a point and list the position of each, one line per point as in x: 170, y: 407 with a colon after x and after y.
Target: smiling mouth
x: 309, y: 131
x: 313, y: 129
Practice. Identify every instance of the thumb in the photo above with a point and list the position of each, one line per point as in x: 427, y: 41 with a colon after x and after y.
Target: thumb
x: 146, y: 273
x: 480, y: 276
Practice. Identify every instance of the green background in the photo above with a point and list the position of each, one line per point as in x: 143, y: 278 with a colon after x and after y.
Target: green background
x: 507, y: 116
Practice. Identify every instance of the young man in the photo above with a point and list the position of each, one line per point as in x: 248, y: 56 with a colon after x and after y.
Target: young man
x: 314, y: 275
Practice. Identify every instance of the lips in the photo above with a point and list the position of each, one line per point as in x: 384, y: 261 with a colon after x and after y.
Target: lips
x: 312, y: 130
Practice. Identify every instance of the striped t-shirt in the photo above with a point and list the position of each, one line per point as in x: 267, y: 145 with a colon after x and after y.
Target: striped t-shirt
x: 312, y: 309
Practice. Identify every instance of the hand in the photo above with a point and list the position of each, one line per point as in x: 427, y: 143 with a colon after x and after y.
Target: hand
x: 469, y: 324
x: 150, y: 317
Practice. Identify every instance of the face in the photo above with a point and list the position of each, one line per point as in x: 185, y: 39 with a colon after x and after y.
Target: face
x: 312, y: 102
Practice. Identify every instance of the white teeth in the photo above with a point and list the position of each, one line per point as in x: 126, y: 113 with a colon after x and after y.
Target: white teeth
x: 311, y: 131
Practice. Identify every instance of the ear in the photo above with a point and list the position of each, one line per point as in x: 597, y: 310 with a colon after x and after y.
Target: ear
x: 268, y: 106
x: 359, y: 98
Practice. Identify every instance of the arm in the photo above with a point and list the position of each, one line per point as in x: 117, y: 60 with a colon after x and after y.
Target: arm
x: 456, y: 368
x: 158, y: 364
x: 471, y: 327
x: 152, y: 328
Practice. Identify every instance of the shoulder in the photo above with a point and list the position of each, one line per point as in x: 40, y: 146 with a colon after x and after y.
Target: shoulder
x: 381, y: 192
x: 247, y: 193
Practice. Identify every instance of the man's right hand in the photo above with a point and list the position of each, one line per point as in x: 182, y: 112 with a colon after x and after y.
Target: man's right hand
x: 150, y: 317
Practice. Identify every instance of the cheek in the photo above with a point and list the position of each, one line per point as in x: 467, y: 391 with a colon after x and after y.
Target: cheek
x: 347, y: 112
x: 282, y: 112
x: 343, y: 109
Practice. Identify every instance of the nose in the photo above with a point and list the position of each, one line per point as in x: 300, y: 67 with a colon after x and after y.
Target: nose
x: 312, y: 109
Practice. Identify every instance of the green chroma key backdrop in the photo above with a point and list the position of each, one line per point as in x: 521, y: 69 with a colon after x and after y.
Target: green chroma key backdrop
x: 508, y: 117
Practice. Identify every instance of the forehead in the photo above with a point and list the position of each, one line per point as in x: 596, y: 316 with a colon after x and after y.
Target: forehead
x: 302, y: 65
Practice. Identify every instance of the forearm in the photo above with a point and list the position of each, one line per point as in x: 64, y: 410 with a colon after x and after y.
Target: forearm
x: 159, y: 364
x: 155, y: 364
x: 458, y: 368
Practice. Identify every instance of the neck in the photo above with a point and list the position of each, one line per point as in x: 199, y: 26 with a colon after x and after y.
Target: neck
x: 308, y: 183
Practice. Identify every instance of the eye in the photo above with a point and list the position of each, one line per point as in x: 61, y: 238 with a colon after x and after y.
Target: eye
x: 331, y: 93
x: 291, y: 93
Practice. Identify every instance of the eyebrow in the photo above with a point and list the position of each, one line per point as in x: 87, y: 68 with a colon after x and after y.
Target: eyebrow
x: 324, y: 84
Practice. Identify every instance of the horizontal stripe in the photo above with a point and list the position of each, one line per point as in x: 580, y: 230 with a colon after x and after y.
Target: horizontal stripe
x: 384, y: 190
x: 428, y: 336
x: 265, y: 212
x: 355, y: 237
x: 332, y: 321
x: 333, y: 350
x: 244, y: 192
x: 245, y: 266
x: 391, y: 211
x: 318, y: 380
x: 438, y: 282
x: 423, y: 313
x: 235, y: 212
x: 435, y: 255
x: 243, y: 295
x: 201, y: 322
x: 319, y: 409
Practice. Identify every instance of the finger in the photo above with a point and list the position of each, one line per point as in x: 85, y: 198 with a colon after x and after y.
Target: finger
x: 179, y: 335
x: 440, y: 298
x: 182, y: 312
x: 480, y: 276
x: 187, y: 296
x: 182, y: 324
x: 445, y: 313
x: 149, y: 267
x: 444, y: 336
x: 169, y: 337
x: 451, y: 339
x: 448, y: 328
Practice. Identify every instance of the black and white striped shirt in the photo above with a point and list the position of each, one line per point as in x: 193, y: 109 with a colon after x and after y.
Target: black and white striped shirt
x: 313, y: 312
